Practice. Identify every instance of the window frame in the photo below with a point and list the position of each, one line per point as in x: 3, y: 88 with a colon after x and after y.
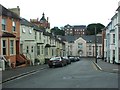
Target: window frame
x: 38, y: 50
x: 3, y: 24
x: 4, y: 47
x: 13, y: 26
x: 12, y: 47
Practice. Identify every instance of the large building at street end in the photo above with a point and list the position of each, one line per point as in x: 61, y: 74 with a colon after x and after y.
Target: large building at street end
x: 75, y: 30
x: 83, y: 46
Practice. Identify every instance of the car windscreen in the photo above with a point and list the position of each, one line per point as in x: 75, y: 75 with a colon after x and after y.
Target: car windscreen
x: 55, y: 58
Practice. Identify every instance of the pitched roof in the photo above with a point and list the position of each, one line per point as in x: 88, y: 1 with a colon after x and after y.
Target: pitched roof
x: 5, y: 12
x: 69, y: 38
x: 87, y: 38
x: 91, y: 38
x: 79, y: 26
x: 25, y: 22
x: 37, y: 28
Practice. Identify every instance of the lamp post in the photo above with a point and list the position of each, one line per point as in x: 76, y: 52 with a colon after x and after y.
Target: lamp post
x: 95, y: 46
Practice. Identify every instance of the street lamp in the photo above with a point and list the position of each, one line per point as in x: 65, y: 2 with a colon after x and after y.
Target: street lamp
x: 95, y: 46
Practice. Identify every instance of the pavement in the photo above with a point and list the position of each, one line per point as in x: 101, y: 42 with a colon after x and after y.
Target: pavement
x: 11, y: 74
x: 107, y: 67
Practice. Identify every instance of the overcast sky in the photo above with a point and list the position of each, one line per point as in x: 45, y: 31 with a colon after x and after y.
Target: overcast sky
x: 62, y: 12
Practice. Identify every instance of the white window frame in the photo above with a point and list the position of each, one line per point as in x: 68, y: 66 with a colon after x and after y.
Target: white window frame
x: 3, y: 23
x: 12, y: 47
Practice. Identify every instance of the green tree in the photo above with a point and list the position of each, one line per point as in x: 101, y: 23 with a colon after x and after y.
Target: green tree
x: 91, y: 28
x: 57, y: 31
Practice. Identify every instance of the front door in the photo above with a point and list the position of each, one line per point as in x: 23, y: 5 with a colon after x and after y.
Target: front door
x: 17, y: 47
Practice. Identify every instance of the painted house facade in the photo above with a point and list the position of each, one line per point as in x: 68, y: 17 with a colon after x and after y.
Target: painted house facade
x: 84, y: 46
x: 117, y: 36
x: 112, y: 40
x: 39, y: 45
x: 27, y: 40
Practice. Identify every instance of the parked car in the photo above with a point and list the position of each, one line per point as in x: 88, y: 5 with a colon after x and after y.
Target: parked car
x: 72, y: 58
x: 57, y: 61
x: 67, y: 60
x: 77, y: 58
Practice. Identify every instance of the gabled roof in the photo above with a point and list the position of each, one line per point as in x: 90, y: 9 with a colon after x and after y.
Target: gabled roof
x: 87, y: 38
x: 69, y: 38
x: 5, y: 12
x: 91, y: 38
x: 68, y: 26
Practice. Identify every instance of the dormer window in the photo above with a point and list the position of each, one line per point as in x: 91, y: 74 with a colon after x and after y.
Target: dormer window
x: 23, y: 30
x: 30, y: 31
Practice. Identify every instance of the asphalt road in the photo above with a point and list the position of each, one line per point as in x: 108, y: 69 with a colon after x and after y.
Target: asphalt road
x: 81, y: 74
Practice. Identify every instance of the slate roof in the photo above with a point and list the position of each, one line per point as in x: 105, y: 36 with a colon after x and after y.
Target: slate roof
x: 69, y: 38
x: 6, y: 34
x: 5, y: 12
x: 87, y: 38
x: 91, y: 39
x: 37, y: 28
x: 25, y: 22
x: 79, y: 26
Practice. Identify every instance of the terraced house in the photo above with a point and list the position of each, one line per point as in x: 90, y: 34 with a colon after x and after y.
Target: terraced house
x: 27, y: 40
x: 112, y: 39
x: 117, y: 33
x: 9, y: 36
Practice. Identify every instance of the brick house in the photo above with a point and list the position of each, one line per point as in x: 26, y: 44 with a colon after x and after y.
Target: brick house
x: 75, y: 30
x: 10, y: 36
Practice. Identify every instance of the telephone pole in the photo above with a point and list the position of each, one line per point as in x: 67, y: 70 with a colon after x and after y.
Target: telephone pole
x: 95, y: 46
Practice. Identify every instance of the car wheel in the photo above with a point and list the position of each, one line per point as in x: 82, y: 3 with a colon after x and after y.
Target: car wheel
x: 50, y: 66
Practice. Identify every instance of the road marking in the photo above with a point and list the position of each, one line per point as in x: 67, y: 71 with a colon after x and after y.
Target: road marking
x: 97, y: 66
x: 22, y: 75
x: 27, y: 74
x: 116, y: 69
x: 94, y: 66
